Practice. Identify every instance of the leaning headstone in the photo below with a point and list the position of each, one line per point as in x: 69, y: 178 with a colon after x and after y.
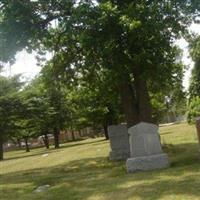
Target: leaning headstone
x: 119, y: 142
x: 145, y: 148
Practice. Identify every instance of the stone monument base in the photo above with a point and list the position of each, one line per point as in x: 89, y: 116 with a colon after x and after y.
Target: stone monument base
x: 145, y: 163
x: 119, y: 155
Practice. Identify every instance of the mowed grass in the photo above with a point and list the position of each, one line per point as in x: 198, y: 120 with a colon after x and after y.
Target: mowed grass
x: 81, y: 171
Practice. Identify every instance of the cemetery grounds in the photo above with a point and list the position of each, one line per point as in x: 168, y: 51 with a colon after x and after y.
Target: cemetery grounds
x: 81, y: 171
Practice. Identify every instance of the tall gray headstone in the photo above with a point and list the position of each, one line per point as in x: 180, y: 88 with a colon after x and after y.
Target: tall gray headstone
x: 145, y: 148
x: 119, y: 142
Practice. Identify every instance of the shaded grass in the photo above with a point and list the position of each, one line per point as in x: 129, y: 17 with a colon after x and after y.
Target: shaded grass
x: 81, y: 170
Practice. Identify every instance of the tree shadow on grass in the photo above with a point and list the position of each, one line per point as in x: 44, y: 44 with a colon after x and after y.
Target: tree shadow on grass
x: 74, y: 144
x: 98, y: 177
x: 28, y: 154
x: 43, y: 150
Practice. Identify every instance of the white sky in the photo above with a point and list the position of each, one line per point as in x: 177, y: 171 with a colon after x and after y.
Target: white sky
x: 26, y: 63
x: 186, y: 57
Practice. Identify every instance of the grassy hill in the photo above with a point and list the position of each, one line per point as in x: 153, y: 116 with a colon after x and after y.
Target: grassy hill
x: 82, y: 171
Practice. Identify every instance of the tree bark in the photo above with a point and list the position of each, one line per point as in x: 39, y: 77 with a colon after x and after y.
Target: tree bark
x: 135, y: 99
x: 80, y: 133
x: 143, y: 99
x: 1, y: 148
x: 19, y: 143
x: 46, y: 140
x: 26, y: 143
x: 105, y: 127
x: 129, y: 103
x: 56, y: 138
x: 73, y: 136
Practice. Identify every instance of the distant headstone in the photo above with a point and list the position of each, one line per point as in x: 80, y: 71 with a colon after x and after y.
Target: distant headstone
x: 119, y: 142
x: 145, y: 148
x: 42, y: 188
x: 45, y: 155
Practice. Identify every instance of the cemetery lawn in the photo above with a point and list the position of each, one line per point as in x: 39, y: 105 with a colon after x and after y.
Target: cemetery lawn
x: 81, y: 171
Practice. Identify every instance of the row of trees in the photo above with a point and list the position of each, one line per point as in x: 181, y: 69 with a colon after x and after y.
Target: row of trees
x: 194, y: 90
x: 44, y: 107
x: 8, y: 109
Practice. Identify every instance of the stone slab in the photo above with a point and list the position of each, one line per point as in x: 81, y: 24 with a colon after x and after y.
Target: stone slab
x: 145, y: 148
x: 144, y: 140
x: 119, y: 142
x: 146, y: 163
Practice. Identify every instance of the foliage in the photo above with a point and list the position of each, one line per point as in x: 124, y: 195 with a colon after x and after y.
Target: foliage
x: 45, y: 108
x: 193, y: 109
x: 96, y: 104
x: 133, y: 41
x: 170, y: 100
x: 10, y: 108
x: 36, y: 117
x: 9, y: 105
x: 194, y: 89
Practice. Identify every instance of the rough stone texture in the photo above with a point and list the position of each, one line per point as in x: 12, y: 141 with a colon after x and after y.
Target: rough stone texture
x: 145, y: 148
x: 42, y: 188
x: 144, y: 140
x: 145, y: 163
x: 119, y: 142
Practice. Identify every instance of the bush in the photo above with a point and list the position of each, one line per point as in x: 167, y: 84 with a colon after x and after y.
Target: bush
x: 193, y: 109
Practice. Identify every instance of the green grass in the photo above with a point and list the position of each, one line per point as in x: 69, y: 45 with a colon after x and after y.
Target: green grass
x: 81, y: 171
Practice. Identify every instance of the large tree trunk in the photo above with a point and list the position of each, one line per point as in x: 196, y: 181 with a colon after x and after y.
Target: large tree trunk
x: 80, y: 133
x: 26, y: 143
x: 109, y: 119
x: 143, y: 99
x: 56, y: 138
x: 46, y: 140
x: 135, y: 99
x: 105, y: 127
x: 1, y: 148
x: 73, y: 136
x: 19, y: 143
x: 129, y: 103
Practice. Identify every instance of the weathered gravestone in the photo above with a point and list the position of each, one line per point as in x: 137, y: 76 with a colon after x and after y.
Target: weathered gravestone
x: 145, y: 148
x: 119, y: 142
